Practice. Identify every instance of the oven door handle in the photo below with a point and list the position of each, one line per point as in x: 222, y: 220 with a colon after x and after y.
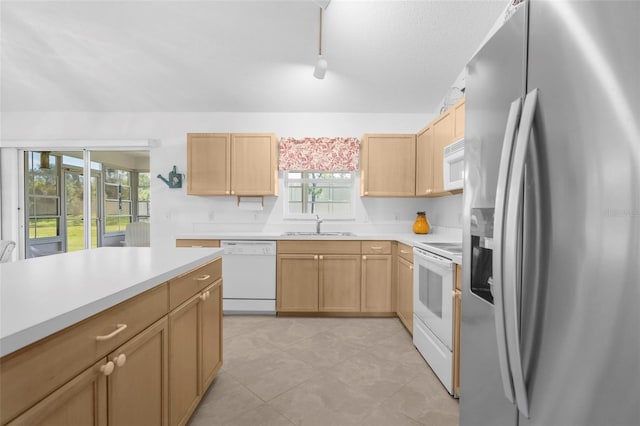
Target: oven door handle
x: 498, y: 233
x: 513, y: 249
x: 445, y: 263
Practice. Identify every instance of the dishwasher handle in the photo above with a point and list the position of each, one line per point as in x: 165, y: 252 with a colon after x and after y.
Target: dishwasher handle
x: 248, y: 248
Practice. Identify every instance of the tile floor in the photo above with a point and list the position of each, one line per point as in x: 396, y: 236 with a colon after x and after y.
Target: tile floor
x: 323, y: 371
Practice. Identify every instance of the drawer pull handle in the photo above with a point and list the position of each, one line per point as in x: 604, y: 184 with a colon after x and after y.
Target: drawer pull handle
x: 120, y: 360
x: 315, y: 257
x: 107, y: 369
x: 121, y: 327
x: 376, y: 248
x: 205, y: 295
x: 203, y: 278
x: 404, y: 252
x: 364, y: 257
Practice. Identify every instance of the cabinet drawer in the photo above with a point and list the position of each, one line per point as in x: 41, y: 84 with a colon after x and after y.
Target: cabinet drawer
x: 37, y: 370
x: 405, y: 252
x: 319, y: 247
x: 376, y: 247
x: 190, y: 283
x: 197, y: 243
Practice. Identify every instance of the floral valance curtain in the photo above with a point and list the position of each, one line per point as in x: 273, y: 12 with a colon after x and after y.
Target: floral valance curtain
x: 325, y: 154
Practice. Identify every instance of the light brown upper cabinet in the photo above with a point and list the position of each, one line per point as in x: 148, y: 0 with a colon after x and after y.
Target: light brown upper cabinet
x: 208, y: 164
x: 442, y: 136
x: 430, y: 143
x: 458, y: 120
x: 232, y: 164
x: 424, y: 162
x: 387, y: 166
x: 254, y: 164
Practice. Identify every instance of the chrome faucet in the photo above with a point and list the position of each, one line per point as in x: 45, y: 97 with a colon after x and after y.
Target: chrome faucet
x: 318, y: 222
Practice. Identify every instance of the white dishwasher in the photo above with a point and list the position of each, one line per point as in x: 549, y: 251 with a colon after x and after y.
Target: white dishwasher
x: 249, y: 277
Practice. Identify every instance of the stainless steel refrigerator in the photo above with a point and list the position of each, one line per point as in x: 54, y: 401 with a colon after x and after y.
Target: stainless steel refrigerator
x: 551, y: 282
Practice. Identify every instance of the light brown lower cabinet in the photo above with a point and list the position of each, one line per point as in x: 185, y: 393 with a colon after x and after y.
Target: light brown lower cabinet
x: 404, y: 278
x: 137, y: 390
x: 81, y: 401
x: 457, y: 322
x: 405, y: 293
x: 152, y: 372
x: 457, y: 305
x: 339, y: 283
x: 376, y: 283
x: 334, y: 277
x: 195, y: 351
x: 297, y: 283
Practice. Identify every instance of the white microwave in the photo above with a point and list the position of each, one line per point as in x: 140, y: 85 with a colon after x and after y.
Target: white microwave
x: 453, y: 165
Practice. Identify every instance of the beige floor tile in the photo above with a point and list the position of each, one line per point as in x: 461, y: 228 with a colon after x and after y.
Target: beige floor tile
x: 226, y: 399
x: 373, y: 376
x: 384, y: 417
x: 425, y: 400
x: 324, y: 372
x: 290, y: 330
x: 364, y: 331
x: 273, y: 374
x: 236, y: 325
x: 323, y: 350
x: 324, y: 400
x: 263, y: 415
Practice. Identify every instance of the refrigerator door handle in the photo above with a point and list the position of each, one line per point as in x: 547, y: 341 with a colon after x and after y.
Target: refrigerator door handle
x: 498, y: 233
x: 512, y: 247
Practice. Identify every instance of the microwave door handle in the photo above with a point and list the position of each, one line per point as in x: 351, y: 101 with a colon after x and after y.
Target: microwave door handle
x: 513, y: 249
x: 498, y: 228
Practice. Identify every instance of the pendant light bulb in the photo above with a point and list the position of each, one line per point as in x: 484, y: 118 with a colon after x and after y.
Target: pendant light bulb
x: 321, y: 64
x: 321, y: 68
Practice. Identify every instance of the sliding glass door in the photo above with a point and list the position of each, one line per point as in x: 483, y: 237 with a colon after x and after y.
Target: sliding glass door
x: 74, y: 210
x: 56, y: 192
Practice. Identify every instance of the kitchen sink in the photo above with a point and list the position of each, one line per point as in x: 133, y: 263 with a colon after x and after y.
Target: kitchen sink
x: 321, y: 234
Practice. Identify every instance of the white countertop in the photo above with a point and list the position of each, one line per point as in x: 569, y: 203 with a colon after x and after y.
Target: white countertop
x: 440, y: 235
x: 43, y: 295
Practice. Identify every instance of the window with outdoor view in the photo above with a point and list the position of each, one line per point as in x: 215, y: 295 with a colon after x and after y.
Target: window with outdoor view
x: 328, y: 194
x: 144, y: 200
x: 117, y: 199
x: 43, y: 195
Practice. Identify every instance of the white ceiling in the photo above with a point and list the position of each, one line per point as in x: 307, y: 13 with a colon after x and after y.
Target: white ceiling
x: 388, y: 56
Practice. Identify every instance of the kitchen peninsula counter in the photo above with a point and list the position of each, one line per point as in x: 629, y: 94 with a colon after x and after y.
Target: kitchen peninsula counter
x: 41, y: 296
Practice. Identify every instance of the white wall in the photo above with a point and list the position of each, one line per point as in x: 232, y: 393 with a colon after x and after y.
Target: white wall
x: 174, y: 212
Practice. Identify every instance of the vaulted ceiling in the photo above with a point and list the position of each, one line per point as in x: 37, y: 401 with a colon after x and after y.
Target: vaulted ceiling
x: 390, y: 56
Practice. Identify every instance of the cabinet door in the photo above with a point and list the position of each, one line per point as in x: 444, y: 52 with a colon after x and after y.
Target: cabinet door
x: 138, y: 391
x: 81, y: 401
x: 458, y: 120
x: 376, y: 283
x: 184, y: 359
x: 388, y: 166
x: 442, y: 136
x: 254, y: 164
x: 340, y: 283
x: 208, y: 164
x: 457, y: 306
x: 424, y: 162
x: 211, y: 322
x: 405, y: 293
x: 297, y: 283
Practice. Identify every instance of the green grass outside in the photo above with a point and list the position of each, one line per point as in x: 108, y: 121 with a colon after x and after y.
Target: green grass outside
x: 75, y: 232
